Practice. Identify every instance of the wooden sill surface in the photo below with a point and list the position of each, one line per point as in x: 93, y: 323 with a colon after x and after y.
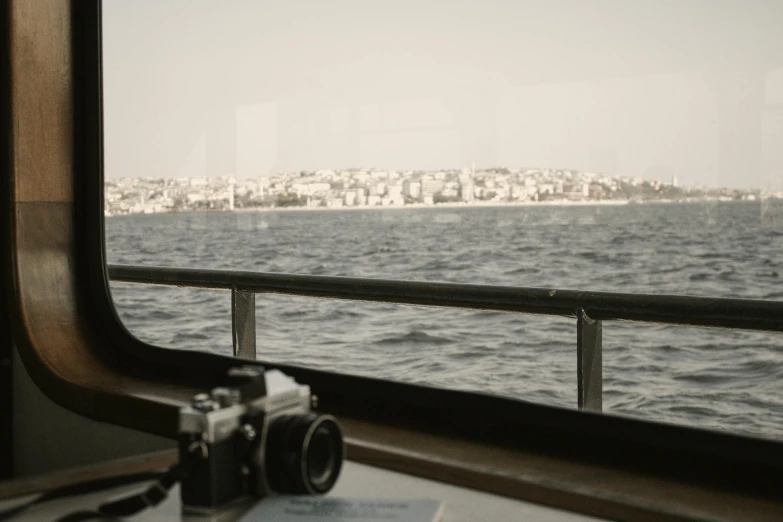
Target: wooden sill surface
x: 591, y: 490
x: 582, y: 488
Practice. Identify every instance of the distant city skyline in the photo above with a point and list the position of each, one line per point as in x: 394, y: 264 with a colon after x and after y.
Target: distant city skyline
x: 249, y: 89
x: 368, y: 188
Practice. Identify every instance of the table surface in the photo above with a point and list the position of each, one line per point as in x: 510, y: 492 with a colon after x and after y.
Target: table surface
x: 357, y: 480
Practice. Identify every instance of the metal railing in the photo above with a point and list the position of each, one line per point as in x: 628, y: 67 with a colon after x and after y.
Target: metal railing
x: 588, y: 308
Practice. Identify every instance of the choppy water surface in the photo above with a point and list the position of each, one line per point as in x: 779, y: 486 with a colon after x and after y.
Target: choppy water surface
x: 714, y: 378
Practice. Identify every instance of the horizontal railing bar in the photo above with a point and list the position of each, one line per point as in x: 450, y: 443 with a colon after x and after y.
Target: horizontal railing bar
x: 743, y: 314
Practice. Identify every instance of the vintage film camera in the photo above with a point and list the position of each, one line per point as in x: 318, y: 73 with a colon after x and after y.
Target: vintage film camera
x: 255, y: 435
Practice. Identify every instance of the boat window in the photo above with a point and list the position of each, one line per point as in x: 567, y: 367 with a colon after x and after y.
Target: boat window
x: 609, y: 146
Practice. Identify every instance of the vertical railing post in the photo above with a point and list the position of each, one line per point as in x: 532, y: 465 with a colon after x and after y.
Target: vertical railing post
x: 588, y: 363
x: 243, y: 323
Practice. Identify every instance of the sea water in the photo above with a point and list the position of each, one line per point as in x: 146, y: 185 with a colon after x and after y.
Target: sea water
x: 713, y: 378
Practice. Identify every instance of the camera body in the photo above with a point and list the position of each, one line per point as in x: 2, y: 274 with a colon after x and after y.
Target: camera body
x: 255, y: 435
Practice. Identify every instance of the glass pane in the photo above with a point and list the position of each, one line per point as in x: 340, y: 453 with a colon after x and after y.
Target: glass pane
x: 596, y: 145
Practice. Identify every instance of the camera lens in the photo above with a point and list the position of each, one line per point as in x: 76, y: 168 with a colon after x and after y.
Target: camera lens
x: 304, y: 453
x: 320, y: 456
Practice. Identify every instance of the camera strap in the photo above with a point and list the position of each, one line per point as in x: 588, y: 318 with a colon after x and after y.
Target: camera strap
x: 133, y: 504
x: 123, y: 507
x: 82, y: 488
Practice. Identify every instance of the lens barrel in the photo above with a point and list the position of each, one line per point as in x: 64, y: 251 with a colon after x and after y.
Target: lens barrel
x: 304, y: 453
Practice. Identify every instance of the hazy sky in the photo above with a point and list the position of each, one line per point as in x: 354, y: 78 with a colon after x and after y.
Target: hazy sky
x: 635, y: 87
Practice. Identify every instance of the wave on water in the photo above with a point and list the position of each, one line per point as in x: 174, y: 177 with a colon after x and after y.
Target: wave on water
x: 414, y: 337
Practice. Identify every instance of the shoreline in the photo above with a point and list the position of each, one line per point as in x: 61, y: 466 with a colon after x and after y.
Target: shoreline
x: 420, y: 206
x: 454, y: 205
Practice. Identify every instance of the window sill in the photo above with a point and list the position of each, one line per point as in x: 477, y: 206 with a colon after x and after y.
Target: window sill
x: 582, y: 488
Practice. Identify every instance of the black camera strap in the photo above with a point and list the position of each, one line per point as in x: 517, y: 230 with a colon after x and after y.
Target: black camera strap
x: 81, y: 488
x: 123, y: 507
x: 127, y: 506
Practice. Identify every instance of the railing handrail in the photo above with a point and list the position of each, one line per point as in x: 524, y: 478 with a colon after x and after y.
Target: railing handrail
x: 589, y: 308
x: 720, y: 312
